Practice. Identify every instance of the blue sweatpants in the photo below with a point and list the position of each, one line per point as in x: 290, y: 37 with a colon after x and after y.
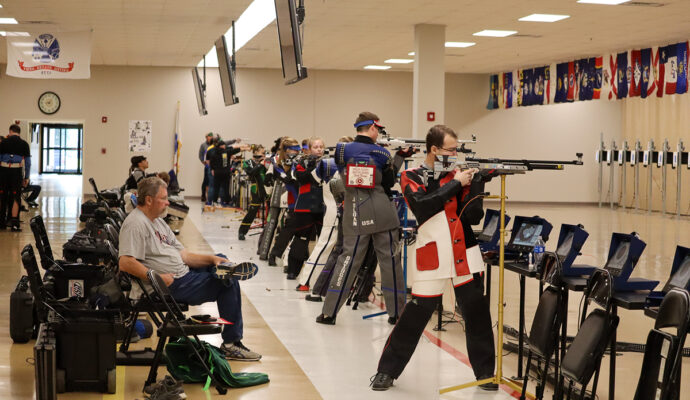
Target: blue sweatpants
x: 201, y: 285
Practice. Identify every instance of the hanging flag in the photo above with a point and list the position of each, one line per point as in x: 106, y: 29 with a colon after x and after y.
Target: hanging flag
x: 636, y: 78
x: 597, y: 79
x: 508, y: 89
x: 647, y: 81
x: 177, y: 146
x: 520, y: 87
x: 493, y: 93
x: 527, y: 87
x: 682, y: 54
x: 547, y: 85
x: 499, y: 93
x: 668, y: 70
x: 584, y: 90
x: 50, y: 55
x: 622, y: 72
x: 553, y: 78
x: 539, y: 82
x: 561, y: 83
x: 571, y: 81
x: 610, y: 69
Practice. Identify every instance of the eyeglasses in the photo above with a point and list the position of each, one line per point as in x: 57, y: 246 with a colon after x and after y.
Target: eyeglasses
x: 452, y: 149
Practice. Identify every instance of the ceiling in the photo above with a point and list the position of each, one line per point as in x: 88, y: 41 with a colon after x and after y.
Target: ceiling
x: 348, y: 34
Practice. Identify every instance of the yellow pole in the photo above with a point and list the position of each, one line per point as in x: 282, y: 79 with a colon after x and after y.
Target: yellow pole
x: 501, y: 265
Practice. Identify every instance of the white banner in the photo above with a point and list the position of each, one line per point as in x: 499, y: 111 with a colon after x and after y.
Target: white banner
x: 50, y: 55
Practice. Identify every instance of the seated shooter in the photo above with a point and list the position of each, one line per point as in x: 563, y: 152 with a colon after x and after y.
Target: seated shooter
x: 146, y: 242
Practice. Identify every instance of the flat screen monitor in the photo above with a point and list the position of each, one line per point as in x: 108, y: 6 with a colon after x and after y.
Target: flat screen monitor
x: 290, y: 41
x: 489, y: 229
x: 227, y: 73
x: 528, y: 234
x: 565, y: 247
x: 681, y: 278
x: 616, y: 263
x: 200, y: 92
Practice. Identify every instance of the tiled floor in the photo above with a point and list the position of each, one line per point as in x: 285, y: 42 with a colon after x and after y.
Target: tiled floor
x: 306, y: 360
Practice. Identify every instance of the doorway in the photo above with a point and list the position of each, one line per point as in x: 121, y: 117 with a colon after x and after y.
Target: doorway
x: 61, y: 149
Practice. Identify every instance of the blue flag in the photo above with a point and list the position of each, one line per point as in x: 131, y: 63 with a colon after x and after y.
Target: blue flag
x: 561, y: 83
x: 493, y: 93
x: 622, y: 75
x: 682, y: 53
x: 508, y: 89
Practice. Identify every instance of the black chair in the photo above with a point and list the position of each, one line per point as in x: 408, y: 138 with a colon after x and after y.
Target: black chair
x: 174, y: 325
x: 546, y: 325
x: 664, y: 351
x: 113, y: 197
x: 583, y: 358
x: 42, y: 242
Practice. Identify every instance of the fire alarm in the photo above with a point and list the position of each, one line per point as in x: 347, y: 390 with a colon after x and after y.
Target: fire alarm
x: 431, y: 116
x: 103, y: 149
x: 104, y: 119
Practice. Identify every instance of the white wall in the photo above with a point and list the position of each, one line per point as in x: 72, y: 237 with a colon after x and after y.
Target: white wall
x: 551, y: 132
x: 325, y: 104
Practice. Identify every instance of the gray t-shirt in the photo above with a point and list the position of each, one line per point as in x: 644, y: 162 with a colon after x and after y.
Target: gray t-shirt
x: 152, y: 243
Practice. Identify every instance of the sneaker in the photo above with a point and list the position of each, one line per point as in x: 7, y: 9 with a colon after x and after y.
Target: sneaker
x: 392, y: 320
x: 322, y: 319
x: 272, y: 261
x: 15, y: 228
x: 490, y: 386
x: 302, y: 288
x: 237, y: 351
x: 316, y: 299
x: 381, y: 382
x: 240, y: 236
x: 241, y: 271
x: 167, y: 385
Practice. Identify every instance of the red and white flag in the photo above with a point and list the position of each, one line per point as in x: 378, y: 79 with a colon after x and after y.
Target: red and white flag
x: 50, y: 55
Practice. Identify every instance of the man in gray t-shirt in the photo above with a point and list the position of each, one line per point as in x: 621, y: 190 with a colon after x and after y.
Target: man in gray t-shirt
x: 146, y: 242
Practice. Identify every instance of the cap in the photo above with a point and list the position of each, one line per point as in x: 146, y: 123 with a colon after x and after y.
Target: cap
x: 137, y: 159
x: 209, y: 134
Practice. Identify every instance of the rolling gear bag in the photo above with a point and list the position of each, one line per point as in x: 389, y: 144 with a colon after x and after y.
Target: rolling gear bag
x: 22, y: 312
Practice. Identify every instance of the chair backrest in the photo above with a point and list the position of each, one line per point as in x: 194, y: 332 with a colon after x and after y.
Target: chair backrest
x: 164, y: 295
x: 584, y: 354
x: 42, y: 242
x: 112, y: 234
x: 659, y: 377
x: 551, y: 269
x: 674, y: 312
x: 543, y: 335
x: 600, y: 288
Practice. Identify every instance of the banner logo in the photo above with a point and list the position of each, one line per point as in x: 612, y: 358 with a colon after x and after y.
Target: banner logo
x: 46, y: 48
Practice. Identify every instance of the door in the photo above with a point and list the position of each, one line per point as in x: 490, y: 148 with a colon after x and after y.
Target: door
x: 61, y: 148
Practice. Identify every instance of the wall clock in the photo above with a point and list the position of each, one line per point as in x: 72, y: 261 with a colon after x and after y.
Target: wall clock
x: 49, y: 103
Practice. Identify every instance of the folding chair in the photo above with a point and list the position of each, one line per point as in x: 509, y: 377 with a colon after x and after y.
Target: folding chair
x: 174, y: 325
x: 583, y: 358
x: 546, y: 325
x: 664, y: 351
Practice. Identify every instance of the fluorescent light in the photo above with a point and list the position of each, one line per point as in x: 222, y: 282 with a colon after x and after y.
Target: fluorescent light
x: 460, y: 44
x: 379, y: 67
x: 606, y: 2
x: 253, y: 20
x: 543, y: 18
x: 22, y: 44
x: 494, y: 33
x: 398, y: 61
x: 211, y: 59
x: 3, y: 33
x: 8, y: 21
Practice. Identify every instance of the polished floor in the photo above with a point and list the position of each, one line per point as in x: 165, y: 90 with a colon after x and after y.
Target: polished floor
x: 309, y: 361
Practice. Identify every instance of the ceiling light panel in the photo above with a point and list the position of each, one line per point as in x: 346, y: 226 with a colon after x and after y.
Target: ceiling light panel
x: 494, y: 33
x: 544, y: 18
x: 377, y: 67
x: 398, y: 61
x: 460, y: 44
x: 606, y: 2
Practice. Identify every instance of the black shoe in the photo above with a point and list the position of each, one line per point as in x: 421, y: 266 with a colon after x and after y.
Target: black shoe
x: 240, y: 236
x: 272, y: 261
x: 392, y: 320
x: 316, y: 299
x: 381, y: 381
x: 489, y: 387
x: 322, y: 319
x: 15, y: 228
x: 291, y: 276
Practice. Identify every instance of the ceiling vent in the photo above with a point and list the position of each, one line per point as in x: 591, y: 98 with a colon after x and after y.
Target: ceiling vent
x: 643, y: 4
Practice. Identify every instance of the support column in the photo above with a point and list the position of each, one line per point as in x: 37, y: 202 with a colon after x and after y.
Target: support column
x: 428, y: 93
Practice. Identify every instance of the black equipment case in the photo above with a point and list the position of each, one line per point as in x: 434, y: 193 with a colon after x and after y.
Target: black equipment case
x: 44, y: 364
x: 21, y: 312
